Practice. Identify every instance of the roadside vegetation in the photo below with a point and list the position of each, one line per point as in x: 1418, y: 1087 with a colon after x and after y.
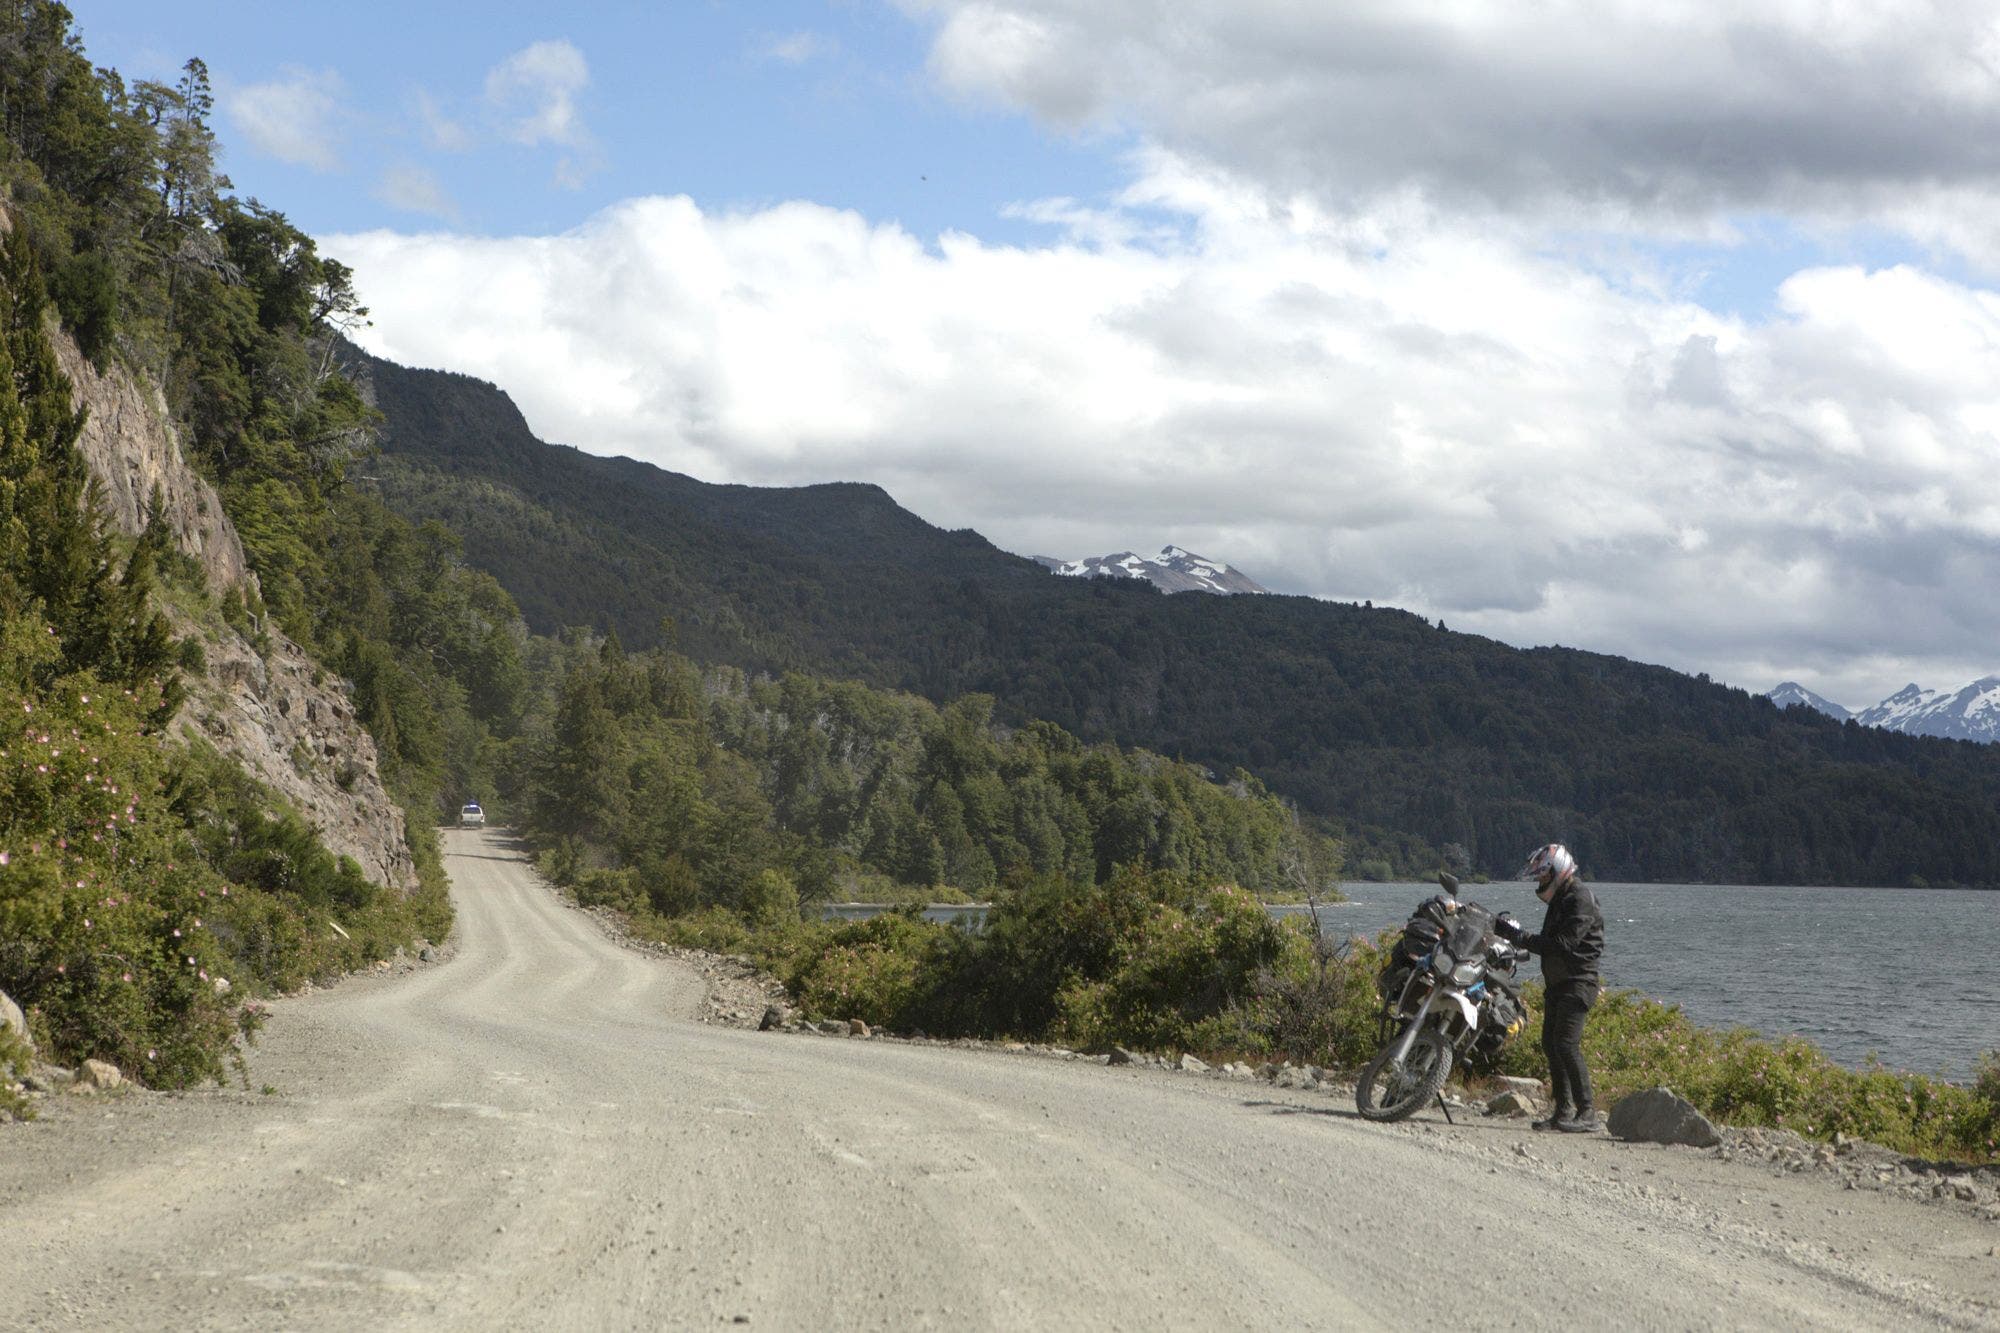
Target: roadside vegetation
x: 147, y: 887
x: 1150, y: 961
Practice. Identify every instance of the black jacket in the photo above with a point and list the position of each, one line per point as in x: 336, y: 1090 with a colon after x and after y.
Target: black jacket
x: 1571, y: 939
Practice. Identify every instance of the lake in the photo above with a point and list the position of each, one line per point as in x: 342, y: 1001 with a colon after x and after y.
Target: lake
x: 1911, y: 976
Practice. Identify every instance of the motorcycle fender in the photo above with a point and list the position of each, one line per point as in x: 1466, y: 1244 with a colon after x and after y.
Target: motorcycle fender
x: 1467, y: 1010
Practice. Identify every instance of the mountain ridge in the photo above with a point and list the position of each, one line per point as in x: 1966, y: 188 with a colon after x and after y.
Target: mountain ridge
x: 1969, y: 713
x: 1366, y: 714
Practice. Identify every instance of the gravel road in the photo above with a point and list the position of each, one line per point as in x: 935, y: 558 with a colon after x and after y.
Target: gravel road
x: 537, y: 1135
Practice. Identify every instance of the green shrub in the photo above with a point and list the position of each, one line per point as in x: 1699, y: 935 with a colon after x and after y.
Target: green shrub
x: 14, y: 1062
x: 1178, y: 977
x: 771, y: 899
x: 883, y: 970
x: 616, y: 889
x: 137, y: 878
x: 715, y: 929
x: 1318, y: 1004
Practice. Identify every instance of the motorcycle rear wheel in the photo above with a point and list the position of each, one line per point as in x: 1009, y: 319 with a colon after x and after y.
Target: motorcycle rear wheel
x: 1407, y: 1090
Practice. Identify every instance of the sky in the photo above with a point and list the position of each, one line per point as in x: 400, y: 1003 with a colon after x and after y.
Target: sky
x: 1657, y: 329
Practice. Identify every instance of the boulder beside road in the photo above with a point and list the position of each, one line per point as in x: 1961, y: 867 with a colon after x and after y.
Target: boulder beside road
x: 14, y: 1021
x: 1661, y: 1115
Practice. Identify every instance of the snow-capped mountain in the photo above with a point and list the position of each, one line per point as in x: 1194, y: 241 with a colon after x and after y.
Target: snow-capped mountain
x: 1968, y: 714
x: 1172, y: 570
x: 1791, y: 692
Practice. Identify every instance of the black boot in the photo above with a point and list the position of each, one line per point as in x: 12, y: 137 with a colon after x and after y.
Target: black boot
x: 1553, y: 1120
x: 1583, y: 1122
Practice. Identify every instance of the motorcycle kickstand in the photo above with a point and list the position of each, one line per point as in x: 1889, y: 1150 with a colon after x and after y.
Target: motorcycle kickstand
x: 1445, y: 1106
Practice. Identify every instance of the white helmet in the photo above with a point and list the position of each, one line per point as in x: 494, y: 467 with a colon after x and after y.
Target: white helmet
x: 1552, y: 861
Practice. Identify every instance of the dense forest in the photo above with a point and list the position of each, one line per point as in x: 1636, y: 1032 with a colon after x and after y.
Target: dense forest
x: 706, y: 788
x: 1369, y: 717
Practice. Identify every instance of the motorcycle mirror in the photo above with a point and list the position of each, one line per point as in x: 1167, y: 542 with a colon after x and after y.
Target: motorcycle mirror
x: 1448, y: 882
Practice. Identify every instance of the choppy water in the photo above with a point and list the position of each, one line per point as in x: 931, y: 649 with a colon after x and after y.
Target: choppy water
x: 1910, y: 976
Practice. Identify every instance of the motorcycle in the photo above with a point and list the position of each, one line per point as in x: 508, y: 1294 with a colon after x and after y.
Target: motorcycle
x: 1449, y: 992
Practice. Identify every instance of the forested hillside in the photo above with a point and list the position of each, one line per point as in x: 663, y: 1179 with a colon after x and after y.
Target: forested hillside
x: 1369, y: 716
x: 150, y: 885
x: 681, y: 789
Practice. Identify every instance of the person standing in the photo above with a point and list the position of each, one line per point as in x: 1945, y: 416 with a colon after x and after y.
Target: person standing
x: 1570, y: 943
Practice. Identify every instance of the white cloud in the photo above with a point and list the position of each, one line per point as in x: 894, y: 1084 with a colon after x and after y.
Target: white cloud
x: 294, y: 118
x: 534, y: 93
x: 1642, y: 114
x: 1390, y: 403
x: 415, y: 189
x: 442, y: 130
x: 798, y: 48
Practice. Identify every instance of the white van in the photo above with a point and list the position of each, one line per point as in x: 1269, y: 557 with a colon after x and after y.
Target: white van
x: 471, y: 816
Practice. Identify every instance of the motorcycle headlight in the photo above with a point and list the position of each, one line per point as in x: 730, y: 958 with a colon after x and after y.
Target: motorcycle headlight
x: 1441, y: 964
x: 1467, y: 973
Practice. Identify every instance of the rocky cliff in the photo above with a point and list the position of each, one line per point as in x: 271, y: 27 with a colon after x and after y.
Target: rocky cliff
x: 134, y: 454
x: 278, y: 713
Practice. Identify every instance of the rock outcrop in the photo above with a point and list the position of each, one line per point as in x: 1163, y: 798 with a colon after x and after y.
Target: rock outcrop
x: 277, y: 713
x: 134, y: 455
x: 14, y: 1021
x: 293, y: 727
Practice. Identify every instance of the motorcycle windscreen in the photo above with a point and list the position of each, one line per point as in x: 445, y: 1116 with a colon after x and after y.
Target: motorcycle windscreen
x: 1470, y: 927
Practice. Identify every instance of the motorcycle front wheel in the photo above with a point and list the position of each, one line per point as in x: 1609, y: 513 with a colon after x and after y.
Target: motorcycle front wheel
x: 1391, y: 1092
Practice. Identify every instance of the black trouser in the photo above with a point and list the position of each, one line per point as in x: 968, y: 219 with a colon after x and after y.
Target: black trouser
x: 1562, y: 1043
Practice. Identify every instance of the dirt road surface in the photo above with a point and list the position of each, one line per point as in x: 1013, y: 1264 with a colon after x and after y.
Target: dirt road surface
x: 536, y: 1135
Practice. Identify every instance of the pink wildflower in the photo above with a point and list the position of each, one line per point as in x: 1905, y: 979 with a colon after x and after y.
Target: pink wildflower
x: 5, y: 857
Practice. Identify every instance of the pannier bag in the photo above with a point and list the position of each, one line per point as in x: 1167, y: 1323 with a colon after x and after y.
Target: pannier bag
x: 1420, y: 936
x: 1508, y: 1017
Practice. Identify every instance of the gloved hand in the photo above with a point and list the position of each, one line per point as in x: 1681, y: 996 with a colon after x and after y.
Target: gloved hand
x: 1507, y: 928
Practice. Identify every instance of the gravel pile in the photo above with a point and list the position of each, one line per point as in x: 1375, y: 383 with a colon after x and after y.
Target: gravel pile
x: 1859, y: 1165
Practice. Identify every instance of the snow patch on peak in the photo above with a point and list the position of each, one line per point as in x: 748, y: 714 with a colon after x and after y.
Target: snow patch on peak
x: 1791, y: 694
x: 1174, y: 569
x: 1971, y: 713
